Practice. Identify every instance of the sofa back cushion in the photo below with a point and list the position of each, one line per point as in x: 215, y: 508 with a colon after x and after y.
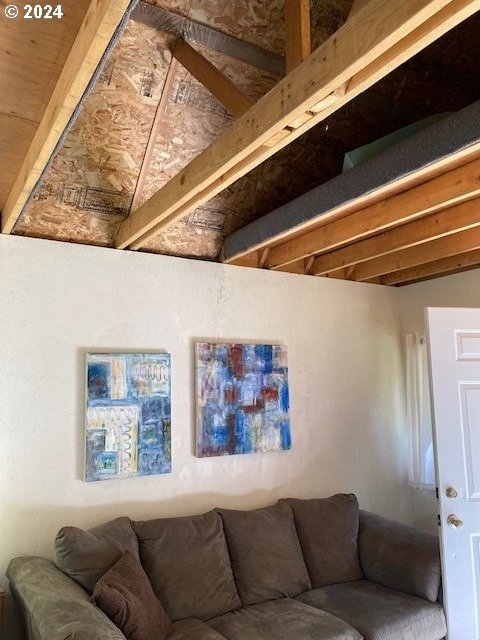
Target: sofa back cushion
x: 399, y: 557
x: 187, y: 562
x: 86, y: 555
x: 266, y: 557
x: 328, y: 531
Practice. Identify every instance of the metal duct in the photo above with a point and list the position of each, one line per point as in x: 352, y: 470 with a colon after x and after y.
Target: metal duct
x: 209, y: 38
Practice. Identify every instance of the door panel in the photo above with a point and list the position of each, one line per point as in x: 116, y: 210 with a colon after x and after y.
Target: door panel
x: 454, y: 354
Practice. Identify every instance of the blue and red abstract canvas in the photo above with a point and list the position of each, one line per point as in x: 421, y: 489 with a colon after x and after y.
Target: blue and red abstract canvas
x: 127, y: 415
x: 242, y: 399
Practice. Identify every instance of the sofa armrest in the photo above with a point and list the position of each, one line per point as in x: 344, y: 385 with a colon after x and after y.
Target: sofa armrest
x: 55, y: 607
x: 399, y: 557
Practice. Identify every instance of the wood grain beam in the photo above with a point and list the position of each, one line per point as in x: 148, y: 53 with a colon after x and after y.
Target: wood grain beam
x: 454, y: 244
x: 356, y: 6
x: 152, y: 138
x: 458, y: 218
x: 214, y: 80
x: 380, y: 37
x: 297, y: 32
x: 97, y: 29
x: 441, y: 267
x: 445, y: 190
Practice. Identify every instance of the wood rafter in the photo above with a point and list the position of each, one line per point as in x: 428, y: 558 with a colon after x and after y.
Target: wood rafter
x: 159, y: 114
x: 214, y: 80
x: 297, y: 32
x: 375, y: 40
x: 356, y: 6
x: 446, y: 266
x: 458, y: 218
x: 96, y: 31
x: 446, y: 247
x: 452, y: 187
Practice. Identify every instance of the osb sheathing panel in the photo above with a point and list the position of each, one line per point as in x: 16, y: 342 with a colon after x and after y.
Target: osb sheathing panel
x: 88, y: 189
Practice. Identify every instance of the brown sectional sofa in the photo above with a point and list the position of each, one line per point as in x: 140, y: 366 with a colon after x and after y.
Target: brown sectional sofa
x: 299, y: 570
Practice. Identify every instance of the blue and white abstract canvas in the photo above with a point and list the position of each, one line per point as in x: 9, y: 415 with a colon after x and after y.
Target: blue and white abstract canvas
x: 128, y: 415
x: 242, y: 399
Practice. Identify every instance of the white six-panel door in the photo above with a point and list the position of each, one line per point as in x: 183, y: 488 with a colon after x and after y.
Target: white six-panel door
x: 454, y: 348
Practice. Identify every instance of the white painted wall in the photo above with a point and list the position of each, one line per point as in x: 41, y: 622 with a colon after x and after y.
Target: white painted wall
x: 58, y: 301
x: 460, y: 290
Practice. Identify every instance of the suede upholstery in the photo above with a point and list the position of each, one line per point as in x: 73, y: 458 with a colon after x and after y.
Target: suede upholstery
x: 86, y: 555
x: 328, y: 530
x: 380, y: 613
x: 56, y: 607
x: 266, y: 557
x: 194, y: 629
x: 399, y: 557
x: 126, y: 596
x: 187, y: 562
x: 282, y: 619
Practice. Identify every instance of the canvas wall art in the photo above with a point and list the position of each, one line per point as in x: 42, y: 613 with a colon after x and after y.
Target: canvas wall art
x: 242, y: 399
x: 127, y: 415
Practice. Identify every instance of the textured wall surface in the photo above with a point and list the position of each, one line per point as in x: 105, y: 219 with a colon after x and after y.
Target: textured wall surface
x: 59, y: 301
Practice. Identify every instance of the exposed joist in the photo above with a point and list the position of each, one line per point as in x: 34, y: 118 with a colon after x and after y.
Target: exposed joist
x: 454, y: 244
x: 297, y: 32
x: 252, y: 260
x: 458, y: 218
x: 356, y: 6
x: 98, y: 27
x: 442, y: 267
x: 152, y: 138
x: 442, y: 191
x: 381, y: 36
x: 214, y: 80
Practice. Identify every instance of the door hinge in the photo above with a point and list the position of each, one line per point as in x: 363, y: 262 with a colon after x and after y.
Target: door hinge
x: 436, y: 493
x: 439, y: 522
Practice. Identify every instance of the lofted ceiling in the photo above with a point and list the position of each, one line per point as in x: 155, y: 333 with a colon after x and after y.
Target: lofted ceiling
x: 146, y: 118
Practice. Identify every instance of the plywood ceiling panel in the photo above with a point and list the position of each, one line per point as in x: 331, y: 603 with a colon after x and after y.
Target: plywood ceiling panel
x: 15, y: 136
x: 32, y: 55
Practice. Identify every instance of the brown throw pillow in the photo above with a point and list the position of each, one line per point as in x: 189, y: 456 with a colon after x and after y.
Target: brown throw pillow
x: 126, y: 596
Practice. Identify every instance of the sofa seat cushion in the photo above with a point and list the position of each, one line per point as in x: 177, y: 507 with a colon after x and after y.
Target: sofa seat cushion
x: 194, y: 629
x: 266, y: 557
x: 86, y: 555
x: 328, y: 531
x: 283, y: 619
x: 187, y: 562
x: 380, y: 613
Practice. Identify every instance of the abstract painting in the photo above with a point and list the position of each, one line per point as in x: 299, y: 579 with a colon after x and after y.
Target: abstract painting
x: 127, y: 415
x: 242, y: 399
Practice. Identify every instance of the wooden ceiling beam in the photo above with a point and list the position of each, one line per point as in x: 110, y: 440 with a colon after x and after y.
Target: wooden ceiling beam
x: 458, y: 218
x: 97, y: 29
x: 445, y: 190
x: 297, y: 32
x: 367, y: 47
x: 226, y: 92
x: 445, y: 266
x: 454, y: 244
x: 356, y: 6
